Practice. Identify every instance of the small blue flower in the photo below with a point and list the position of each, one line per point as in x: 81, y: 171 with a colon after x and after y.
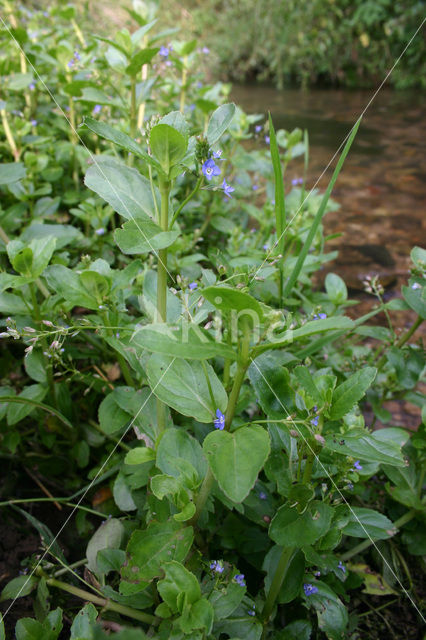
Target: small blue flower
x: 31, y: 86
x: 227, y: 189
x: 350, y: 486
x: 193, y: 286
x: 341, y: 566
x: 164, y: 52
x: 70, y: 63
x: 314, y: 421
x: 255, y: 187
x: 258, y: 128
x: 267, y: 139
x: 97, y: 109
x: 239, y: 579
x: 357, y: 465
x: 205, y: 50
x: 296, y: 181
x: 219, y: 423
x: 309, y: 589
x: 77, y: 56
x: 217, y: 154
x: 33, y: 123
x: 262, y: 495
x: 252, y: 611
x: 415, y: 286
x: 210, y: 169
x: 100, y: 231
x: 265, y: 247
x: 320, y: 316
x: 217, y: 566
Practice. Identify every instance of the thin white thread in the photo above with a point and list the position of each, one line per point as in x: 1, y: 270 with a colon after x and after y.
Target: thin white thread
x: 335, y: 154
x: 93, y: 157
x: 84, y: 494
x: 341, y: 494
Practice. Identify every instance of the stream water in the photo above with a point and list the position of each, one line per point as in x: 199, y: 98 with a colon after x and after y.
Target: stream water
x: 382, y: 188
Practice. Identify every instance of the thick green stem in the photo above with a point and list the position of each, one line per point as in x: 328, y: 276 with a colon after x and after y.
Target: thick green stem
x: 125, y: 370
x: 203, y: 494
x: 277, y: 581
x: 362, y: 546
x: 103, y: 602
x: 240, y: 374
x: 162, y: 284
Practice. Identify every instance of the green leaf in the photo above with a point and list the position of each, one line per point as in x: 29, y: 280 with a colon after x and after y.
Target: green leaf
x: 18, y: 587
x: 176, y: 120
x: 34, y: 364
x: 46, y: 536
x: 336, y: 288
x: 168, y: 146
x: 117, y: 137
x: 2, y: 631
x: 178, y: 581
x: 187, y: 340
x: 307, y: 383
x: 319, y: 215
x: 219, y: 122
x: 97, y: 285
x: 271, y: 383
x: 112, y: 418
x: 228, y: 299
x: 183, y: 386
x: 296, y: 630
x: 293, y: 578
x: 12, y: 172
x: 226, y: 600
x: 148, y: 550
x: 331, y: 613
x: 110, y: 560
x: 367, y: 523
x: 280, y: 216
x: 200, y: 615
x: 350, y: 391
x: 125, y: 189
x: 142, y: 236
x: 416, y: 299
x: 107, y: 536
x: 17, y: 412
x: 309, y: 329
x: 368, y: 447
x: 29, y: 629
x: 31, y: 260
x: 123, y: 494
x: 139, y: 455
x: 67, y: 284
x: 12, y: 305
x: 237, y: 458
x: 178, y: 445
x: 292, y: 529
x: 144, y: 56
x: 83, y: 623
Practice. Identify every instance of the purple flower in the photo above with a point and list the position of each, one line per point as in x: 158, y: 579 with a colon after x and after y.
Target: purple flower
x: 219, y: 422
x: 193, y: 286
x: 357, y: 465
x: 415, y: 286
x: 210, y: 169
x: 320, y: 316
x: 164, y: 52
x: 350, y: 486
x: 255, y: 187
x: 227, y: 188
x: 31, y: 86
x: 267, y: 139
x: 239, y: 579
x: 258, y: 128
x: 309, y: 589
x: 33, y: 123
x: 96, y: 109
x: 296, y: 181
x: 77, y: 56
x: 100, y: 231
x: 265, y: 247
x: 70, y: 63
x: 262, y: 495
x: 217, y: 154
x: 205, y: 50
x: 314, y: 421
x: 341, y: 566
x: 252, y: 611
x: 217, y: 566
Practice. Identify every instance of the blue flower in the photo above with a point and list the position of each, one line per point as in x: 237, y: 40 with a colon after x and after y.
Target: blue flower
x: 33, y: 123
x: 77, y: 56
x: 210, y: 169
x: 100, y: 231
x: 252, y: 611
x: 217, y: 566
x: 164, y: 52
x: 193, y: 286
x: 96, y: 109
x: 320, y: 316
x: 350, y: 486
x: 255, y: 187
x: 258, y: 128
x: 341, y: 566
x: 357, y: 465
x: 239, y: 579
x: 31, y: 86
x: 70, y: 63
x: 314, y: 421
x: 217, y: 154
x: 309, y: 589
x: 296, y: 181
x: 415, y: 286
x: 267, y: 139
x: 227, y: 188
x: 219, y: 423
x: 205, y: 50
x: 262, y: 495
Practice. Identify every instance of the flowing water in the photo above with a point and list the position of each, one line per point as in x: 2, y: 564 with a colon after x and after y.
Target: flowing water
x: 382, y: 188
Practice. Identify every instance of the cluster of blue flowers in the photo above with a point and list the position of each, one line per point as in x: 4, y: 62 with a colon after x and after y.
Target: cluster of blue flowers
x: 309, y: 589
x: 357, y: 465
x: 239, y: 579
x: 219, y: 423
x: 319, y: 316
x: 210, y: 170
x: 74, y: 59
x: 296, y: 181
x: 216, y: 566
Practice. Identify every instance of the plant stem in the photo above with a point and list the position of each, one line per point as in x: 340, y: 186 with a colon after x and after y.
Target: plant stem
x: 125, y: 370
x: 240, y: 374
x: 43, y: 342
x: 162, y: 284
x: 203, y: 494
x: 308, y: 468
x: 277, y: 581
x: 409, y: 515
x: 187, y: 199
x: 103, y: 602
x: 9, y: 136
x: 403, y: 339
x: 8, y: 503
x: 133, y: 112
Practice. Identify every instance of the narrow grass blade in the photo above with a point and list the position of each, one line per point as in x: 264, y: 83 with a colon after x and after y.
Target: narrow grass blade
x: 320, y: 213
x: 279, y: 187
